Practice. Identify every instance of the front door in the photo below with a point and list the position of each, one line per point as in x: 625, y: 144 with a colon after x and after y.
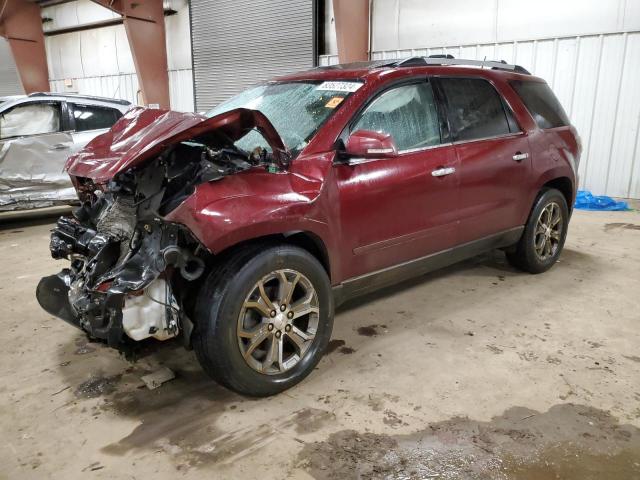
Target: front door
x: 33, y: 151
x: 399, y: 208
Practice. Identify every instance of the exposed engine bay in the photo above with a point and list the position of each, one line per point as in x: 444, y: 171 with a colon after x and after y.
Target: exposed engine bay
x: 131, y: 271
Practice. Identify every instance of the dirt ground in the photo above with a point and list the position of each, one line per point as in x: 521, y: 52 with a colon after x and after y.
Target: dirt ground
x: 473, y: 372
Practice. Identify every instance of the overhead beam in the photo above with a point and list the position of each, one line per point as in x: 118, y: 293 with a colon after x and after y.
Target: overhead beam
x: 352, y: 29
x: 144, y: 24
x: 21, y: 25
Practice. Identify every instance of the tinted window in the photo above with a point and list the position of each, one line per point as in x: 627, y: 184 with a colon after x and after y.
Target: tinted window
x: 408, y: 113
x: 475, y: 109
x: 94, y: 118
x: 30, y: 119
x: 542, y: 104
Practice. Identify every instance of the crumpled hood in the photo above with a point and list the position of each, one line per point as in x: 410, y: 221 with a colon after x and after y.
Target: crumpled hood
x: 144, y: 133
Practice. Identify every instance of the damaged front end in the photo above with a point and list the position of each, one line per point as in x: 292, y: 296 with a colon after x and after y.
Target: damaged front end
x: 131, y: 272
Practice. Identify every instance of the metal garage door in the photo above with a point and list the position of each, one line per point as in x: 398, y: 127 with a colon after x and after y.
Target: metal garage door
x: 237, y: 44
x: 9, y: 80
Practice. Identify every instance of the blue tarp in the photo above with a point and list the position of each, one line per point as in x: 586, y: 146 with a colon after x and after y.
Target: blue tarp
x: 586, y: 201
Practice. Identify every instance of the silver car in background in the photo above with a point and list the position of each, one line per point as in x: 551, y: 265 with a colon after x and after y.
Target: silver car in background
x: 38, y: 133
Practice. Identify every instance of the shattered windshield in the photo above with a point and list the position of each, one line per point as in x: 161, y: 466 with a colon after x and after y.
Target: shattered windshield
x: 296, y: 109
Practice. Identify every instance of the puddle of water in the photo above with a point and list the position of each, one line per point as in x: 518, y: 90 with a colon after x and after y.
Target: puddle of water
x: 180, y: 419
x: 568, y: 442
x: 568, y: 462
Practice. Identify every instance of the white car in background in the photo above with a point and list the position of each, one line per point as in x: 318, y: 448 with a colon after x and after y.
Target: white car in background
x: 38, y: 133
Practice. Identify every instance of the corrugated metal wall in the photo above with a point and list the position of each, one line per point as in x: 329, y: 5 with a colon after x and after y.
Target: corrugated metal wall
x: 124, y: 86
x: 98, y: 61
x: 9, y: 80
x: 239, y: 43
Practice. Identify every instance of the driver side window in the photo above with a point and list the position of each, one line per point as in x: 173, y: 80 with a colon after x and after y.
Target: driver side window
x: 30, y: 119
x: 408, y: 113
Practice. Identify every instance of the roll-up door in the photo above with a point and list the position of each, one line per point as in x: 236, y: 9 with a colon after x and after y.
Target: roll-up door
x: 9, y: 79
x: 237, y: 44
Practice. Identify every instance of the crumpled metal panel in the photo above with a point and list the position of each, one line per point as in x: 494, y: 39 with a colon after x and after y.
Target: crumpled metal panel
x: 144, y: 133
x: 32, y: 172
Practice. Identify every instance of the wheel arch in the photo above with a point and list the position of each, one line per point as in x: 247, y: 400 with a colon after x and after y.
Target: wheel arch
x: 304, y: 239
x: 565, y: 186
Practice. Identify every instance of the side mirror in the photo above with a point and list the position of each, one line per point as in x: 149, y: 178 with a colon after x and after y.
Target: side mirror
x: 370, y: 144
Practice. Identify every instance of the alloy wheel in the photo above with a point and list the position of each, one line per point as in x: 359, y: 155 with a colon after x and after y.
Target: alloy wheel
x: 278, y: 322
x: 548, y: 232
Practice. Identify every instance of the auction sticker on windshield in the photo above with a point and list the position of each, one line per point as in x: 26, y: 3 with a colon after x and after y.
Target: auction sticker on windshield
x: 334, y: 102
x: 339, y: 86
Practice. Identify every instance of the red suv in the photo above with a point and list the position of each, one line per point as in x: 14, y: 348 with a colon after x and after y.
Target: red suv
x: 239, y: 231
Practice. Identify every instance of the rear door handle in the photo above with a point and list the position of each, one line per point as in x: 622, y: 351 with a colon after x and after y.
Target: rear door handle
x: 442, y: 172
x: 519, y: 156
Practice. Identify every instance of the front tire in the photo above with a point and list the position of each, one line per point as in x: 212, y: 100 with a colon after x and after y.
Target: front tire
x: 544, y: 235
x: 263, y: 319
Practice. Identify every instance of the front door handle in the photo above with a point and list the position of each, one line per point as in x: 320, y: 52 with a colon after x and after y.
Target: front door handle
x: 519, y: 156
x: 442, y: 172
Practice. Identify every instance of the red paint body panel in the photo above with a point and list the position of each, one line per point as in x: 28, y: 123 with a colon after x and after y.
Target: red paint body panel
x: 369, y: 215
x: 492, y: 186
x: 393, y: 210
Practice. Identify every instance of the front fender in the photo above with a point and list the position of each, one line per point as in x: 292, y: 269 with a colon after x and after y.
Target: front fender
x: 221, y: 222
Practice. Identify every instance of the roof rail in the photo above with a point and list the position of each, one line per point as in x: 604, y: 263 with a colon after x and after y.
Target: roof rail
x: 80, y: 96
x: 449, y: 60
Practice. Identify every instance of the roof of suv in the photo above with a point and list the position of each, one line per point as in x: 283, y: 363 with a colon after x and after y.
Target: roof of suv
x: 9, y: 102
x: 435, y: 65
x: 76, y: 96
x: 11, y: 98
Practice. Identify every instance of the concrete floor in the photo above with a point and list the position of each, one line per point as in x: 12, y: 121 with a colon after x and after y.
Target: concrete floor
x: 477, y: 371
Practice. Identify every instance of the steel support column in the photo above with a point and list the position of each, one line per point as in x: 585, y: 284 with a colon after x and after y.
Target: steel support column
x: 352, y: 29
x: 144, y: 24
x: 21, y: 25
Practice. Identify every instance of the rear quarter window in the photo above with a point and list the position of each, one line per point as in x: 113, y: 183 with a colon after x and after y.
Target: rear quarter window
x: 541, y: 103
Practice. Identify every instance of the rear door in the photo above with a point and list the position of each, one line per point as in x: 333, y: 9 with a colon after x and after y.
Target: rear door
x: 493, y: 155
x: 395, y: 209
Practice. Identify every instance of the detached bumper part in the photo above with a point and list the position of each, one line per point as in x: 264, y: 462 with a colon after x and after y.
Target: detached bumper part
x: 101, y: 320
x: 53, y: 296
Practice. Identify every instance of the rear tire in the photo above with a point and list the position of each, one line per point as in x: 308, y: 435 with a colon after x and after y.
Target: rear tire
x: 544, y: 235
x: 253, y: 336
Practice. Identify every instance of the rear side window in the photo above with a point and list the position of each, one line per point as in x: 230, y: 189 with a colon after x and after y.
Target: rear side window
x: 541, y: 103
x: 94, y: 118
x: 475, y: 109
x: 408, y: 113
